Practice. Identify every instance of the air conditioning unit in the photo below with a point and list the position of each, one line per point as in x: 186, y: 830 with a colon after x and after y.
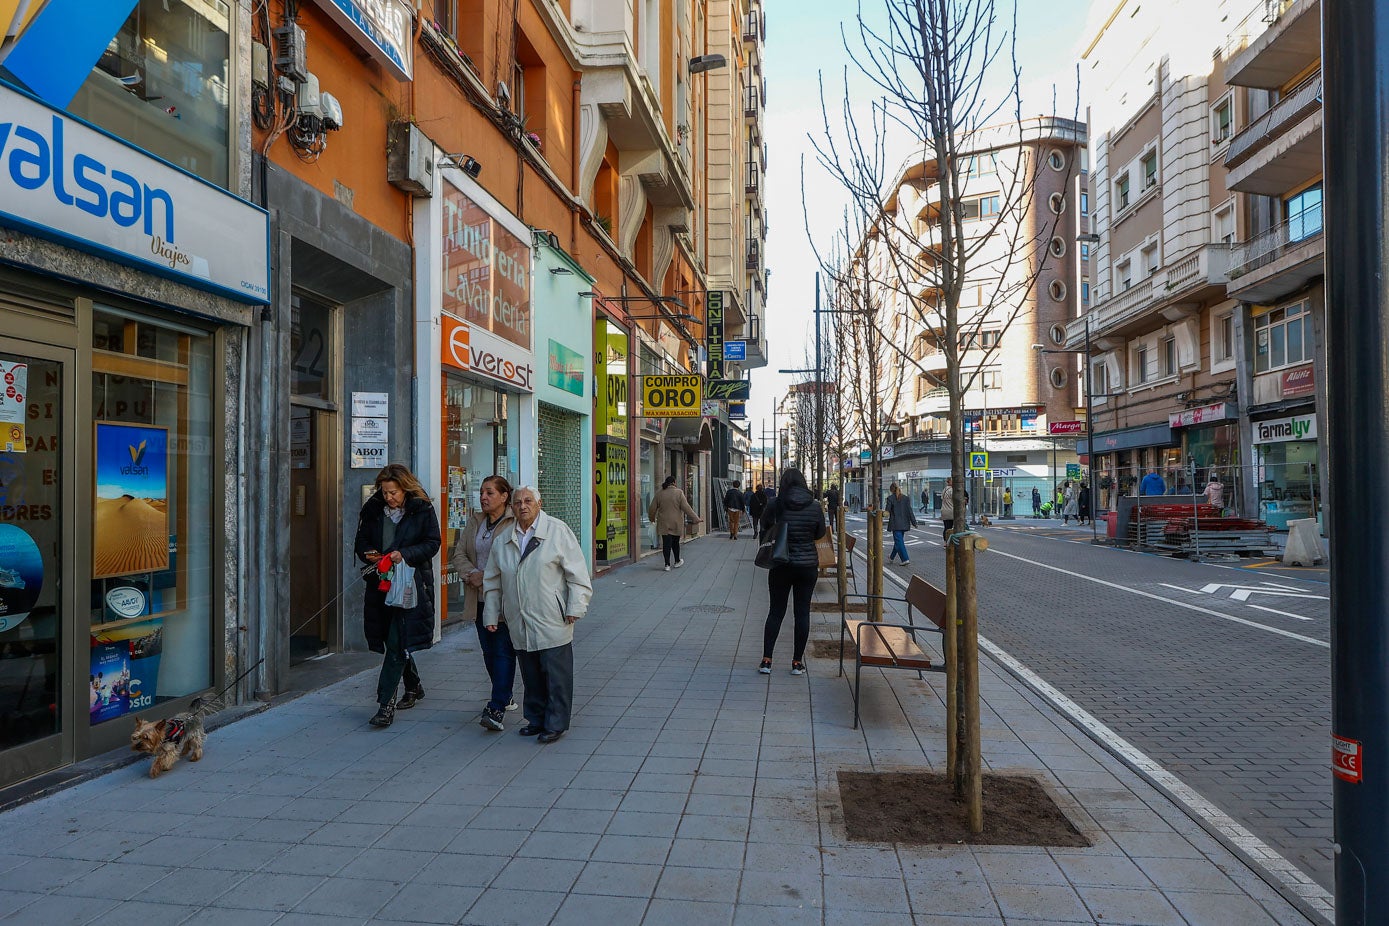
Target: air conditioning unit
x: 409, y: 159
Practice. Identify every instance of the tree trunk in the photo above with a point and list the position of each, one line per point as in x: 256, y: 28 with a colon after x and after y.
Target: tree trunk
x: 875, y: 572
x: 952, y: 667
x: 972, y: 763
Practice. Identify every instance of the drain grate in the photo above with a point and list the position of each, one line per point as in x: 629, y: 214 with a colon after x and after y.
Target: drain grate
x: 709, y: 608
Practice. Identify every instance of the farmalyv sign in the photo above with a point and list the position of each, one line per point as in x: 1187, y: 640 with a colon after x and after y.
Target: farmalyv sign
x: 713, y: 338
x: 1297, y: 427
x: 63, y: 179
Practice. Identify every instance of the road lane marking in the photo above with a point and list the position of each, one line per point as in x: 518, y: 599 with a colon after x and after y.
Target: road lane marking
x: 1298, y: 617
x: 1257, y: 853
x: 1179, y: 604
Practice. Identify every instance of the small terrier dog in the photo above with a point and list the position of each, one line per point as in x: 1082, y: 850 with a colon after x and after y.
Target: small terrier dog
x: 168, y: 740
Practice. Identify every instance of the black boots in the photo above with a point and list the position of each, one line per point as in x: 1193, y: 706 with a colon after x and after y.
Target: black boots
x: 412, y: 695
x: 384, y: 715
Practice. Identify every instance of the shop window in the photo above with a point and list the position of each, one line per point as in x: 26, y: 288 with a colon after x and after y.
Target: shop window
x: 1283, y: 338
x: 153, y: 521
x: 163, y: 84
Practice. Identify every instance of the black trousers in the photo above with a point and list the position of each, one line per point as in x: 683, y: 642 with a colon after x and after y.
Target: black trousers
x: 781, y: 582
x: 549, y: 678
x: 670, y: 548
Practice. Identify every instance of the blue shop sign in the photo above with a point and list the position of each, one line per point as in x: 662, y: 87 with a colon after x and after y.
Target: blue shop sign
x: 64, y: 179
x: 735, y: 350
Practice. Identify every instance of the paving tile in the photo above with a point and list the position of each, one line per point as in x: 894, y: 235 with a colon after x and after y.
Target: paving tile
x: 647, y: 850
x: 208, y: 916
x: 554, y: 875
x: 498, y: 907
x: 143, y: 913
x: 58, y: 910
x: 952, y: 898
x: 1103, y: 871
x: 618, y: 879
x: 1139, y: 908
x: 1046, y: 902
x: 421, y: 902
x: 117, y: 880
x: 1202, y: 909
x: 699, y: 826
x: 311, y: 859
x: 588, y: 909
x: 702, y: 884
x: 745, y: 914
x: 781, y: 888
x: 668, y: 912
x: 705, y: 853
x: 1182, y: 874
x: 268, y: 891
x: 47, y: 874
x: 350, y: 896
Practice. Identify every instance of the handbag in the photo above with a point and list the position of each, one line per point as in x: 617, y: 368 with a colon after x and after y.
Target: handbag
x: 775, y: 552
x: 402, y: 592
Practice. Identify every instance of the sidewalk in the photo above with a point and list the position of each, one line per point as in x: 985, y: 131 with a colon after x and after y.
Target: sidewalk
x: 690, y: 790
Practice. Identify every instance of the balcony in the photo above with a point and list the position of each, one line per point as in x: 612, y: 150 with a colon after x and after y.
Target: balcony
x: 752, y: 98
x: 752, y: 178
x: 1274, y: 44
x: 751, y: 26
x: 754, y: 255
x: 1279, y: 261
x: 1194, y: 278
x: 1281, y: 149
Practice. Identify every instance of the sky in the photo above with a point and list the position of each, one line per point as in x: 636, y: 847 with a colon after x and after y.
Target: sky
x: 803, y: 43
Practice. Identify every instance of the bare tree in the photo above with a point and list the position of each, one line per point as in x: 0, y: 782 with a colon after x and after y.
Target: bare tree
x: 933, y: 66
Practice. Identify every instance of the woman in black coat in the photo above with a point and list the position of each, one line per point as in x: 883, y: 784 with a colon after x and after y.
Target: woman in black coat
x: 398, y: 524
x: 756, y: 507
x: 795, y: 507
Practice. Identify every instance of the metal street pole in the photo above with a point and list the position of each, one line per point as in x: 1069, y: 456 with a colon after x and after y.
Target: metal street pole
x: 819, y: 397
x: 1090, y: 438
x: 1356, y: 93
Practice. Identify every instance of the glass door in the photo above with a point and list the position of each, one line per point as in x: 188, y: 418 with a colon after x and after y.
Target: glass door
x: 36, y: 687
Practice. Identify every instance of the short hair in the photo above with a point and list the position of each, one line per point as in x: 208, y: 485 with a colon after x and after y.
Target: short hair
x: 532, y: 490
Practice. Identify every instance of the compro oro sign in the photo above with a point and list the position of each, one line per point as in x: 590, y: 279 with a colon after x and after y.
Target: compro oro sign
x: 672, y: 396
x: 60, y: 178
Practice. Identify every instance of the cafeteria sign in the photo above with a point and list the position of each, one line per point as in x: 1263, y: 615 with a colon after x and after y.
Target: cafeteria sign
x: 672, y: 396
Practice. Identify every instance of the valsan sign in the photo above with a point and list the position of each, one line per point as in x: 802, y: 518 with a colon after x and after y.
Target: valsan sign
x: 476, y: 350
x: 63, y: 179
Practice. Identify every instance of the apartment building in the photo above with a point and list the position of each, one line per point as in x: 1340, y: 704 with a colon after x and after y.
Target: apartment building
x: 255, y: 251
x: 1162, y: 330
x: 1023, y: 200
x: 1273, y: 155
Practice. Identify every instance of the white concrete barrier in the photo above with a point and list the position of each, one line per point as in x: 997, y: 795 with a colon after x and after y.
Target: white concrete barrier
x: 1304, y: 543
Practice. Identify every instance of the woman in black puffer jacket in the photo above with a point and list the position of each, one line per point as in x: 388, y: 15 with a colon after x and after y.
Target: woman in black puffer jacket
x: 398, y: 523
x: 795, y: 507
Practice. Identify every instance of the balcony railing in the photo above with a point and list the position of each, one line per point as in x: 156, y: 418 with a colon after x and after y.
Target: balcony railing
x: 753, y: 254
x: 751, y: 26
x: 751, y: 96
x: 1303, y: 100
x: 1253, y: 25
x: 1267, y: 247
x: 752, y: 178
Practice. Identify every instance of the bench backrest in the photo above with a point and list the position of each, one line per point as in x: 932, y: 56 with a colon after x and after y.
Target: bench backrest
x: 926, y: 598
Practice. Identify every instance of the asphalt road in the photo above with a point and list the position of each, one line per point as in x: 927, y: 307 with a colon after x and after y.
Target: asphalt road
x: 1221, y: 674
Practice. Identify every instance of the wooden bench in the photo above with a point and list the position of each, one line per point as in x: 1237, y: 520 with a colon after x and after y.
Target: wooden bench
x: 893, y: 646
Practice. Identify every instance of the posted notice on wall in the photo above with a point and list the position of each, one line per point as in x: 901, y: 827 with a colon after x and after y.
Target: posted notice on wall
x: 368, y: 456
x: 14, y: 379
x: 371, y: 404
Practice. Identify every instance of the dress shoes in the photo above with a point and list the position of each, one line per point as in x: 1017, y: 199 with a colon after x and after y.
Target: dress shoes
x: 531, y: 729
x: 549, y: 736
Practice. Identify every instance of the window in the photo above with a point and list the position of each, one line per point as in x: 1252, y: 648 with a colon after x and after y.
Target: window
x: 1099, y: 381
x: 1057, y: 290
x: 1058, y: 246
x: 1058, y: 334
x: 1123, y: 274
x: 1085, y: 250
x: 1140, y: 365
x: 1150, y: 259
x: 988, y: 206
x: 1224, y: 340
x: 163, y: 83
x: 1282, y: 338
x: 1303, y: 213
x: 1121, y: 191
x: 1058, y: 377
x: 1222, y: 120
x: 979, y: 165
x: 1150, y: 164
x: 1169, y: 356
x: 1223, y: 224
x: 1056, y: 160
x: 1084, y: 202
x: 1057, y: 203
x: 1085, y: 292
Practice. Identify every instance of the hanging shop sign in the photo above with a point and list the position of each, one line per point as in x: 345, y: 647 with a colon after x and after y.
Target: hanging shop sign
x: 1301, y: 381
x: 1279, y: 430
x: 730, y: 390
x: 63, y: 179
x: 475, y: 350
x: 384, y: 28
x: 1206, y: 414
x: 735, y: 350
x: 1060, y: 428
x: 711, y: 408
x: 672, y: 396
x: 738, y: 411
x: 713, y: 333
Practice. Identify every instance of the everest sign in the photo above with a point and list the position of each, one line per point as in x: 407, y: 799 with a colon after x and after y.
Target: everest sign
x: 1055, y: 428
x: 61, y: 178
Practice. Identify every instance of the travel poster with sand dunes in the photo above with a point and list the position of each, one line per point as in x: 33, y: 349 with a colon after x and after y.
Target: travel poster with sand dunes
x: 131, y: 523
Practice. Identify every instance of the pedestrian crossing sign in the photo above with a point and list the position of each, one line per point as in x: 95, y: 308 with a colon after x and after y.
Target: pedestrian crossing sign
x: 979, y: 461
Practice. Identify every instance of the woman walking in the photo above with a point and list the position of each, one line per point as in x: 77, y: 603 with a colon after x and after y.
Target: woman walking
x: 947, y: 507
x: 900, y: 519
x: 795, y: 507
x: 1071, y: 509
x: 669, y: 511
x: 397, y: 525
x: 755, y: 509
x: 1084, y: 503
x: 470, y: 561
x: 537, y: 581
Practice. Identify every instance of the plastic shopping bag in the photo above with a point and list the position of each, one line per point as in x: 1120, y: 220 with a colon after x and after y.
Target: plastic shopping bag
x: 401, y: 594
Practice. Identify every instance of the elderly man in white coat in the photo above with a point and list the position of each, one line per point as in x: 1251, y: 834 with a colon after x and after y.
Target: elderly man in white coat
x: 537, y: 579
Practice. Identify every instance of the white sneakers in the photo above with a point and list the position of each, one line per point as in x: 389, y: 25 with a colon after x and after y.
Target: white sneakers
x: 667, y: 569
x: 679, y: 563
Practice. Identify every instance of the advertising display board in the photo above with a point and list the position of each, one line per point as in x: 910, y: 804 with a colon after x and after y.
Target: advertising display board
x: 666, y: 396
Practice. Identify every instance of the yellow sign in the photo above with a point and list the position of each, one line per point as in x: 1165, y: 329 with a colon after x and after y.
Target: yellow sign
x: 978, y: 460
x: 672, y: 396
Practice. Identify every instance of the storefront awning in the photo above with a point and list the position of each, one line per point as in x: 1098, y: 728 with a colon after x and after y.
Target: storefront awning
x: 1151, y: 435
x: 689, y: 434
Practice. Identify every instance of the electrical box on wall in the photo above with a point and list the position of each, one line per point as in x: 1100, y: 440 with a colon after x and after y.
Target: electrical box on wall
x: 409, y: 159
x: 289, y: 39
x: 260, y: 65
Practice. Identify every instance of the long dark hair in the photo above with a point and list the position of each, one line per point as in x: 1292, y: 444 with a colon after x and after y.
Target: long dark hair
x: 791, y: 479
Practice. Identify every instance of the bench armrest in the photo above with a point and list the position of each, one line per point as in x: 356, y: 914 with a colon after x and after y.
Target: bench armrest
x: 878, y: 597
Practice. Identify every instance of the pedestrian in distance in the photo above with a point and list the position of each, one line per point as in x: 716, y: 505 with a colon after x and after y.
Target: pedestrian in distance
x: 1086, y: 515
x: 1008, y: 502
x: 1152, y: 484
x: 832, y: 503
x: 537, y: 582
x: 947, y: 507
x: 1036, y: 503
x: 925, y: 501
x: 795, y: 507
x: 1072, y: 505
x: 747, y: 503
x: 900, y: 519
x: 470, y: 561
x: 733, y: 505
x: 397, y: 525
x: 1214, y: 492
x: 669, y: 510
x: 755, y: 509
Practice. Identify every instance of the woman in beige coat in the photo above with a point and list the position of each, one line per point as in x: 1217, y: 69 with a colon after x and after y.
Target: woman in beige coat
x: 669, y: 511
x: 470, y: 562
